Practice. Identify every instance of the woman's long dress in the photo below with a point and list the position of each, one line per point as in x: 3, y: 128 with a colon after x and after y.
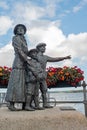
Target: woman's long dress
x: 16, y: 85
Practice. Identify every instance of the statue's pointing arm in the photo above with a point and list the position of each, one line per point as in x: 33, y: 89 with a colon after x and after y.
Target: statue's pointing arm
x: 56, y: 59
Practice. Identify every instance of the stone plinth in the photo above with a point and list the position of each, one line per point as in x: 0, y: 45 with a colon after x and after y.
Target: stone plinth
x: 48, y: 119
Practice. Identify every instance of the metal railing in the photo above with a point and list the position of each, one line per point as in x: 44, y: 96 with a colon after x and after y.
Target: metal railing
x: 53, y: 100
x: 2, y: 98
x: 84, y: 98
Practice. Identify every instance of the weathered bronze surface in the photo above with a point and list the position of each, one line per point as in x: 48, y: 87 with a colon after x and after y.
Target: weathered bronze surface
x: 28, y: 74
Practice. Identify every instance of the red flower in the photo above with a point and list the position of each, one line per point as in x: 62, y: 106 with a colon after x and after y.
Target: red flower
x: 72, y: 75
x: 4, y: 75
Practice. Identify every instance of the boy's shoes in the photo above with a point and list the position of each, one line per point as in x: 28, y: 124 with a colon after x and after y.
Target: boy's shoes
x: 28, y: 108
x: 38, y: 108
x: 47, y: 106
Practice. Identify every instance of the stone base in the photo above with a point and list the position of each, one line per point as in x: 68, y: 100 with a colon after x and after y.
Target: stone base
x: 48, y: 119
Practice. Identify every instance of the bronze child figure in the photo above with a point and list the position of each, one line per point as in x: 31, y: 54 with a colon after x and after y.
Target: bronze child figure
x: 43, y: 59
x: 32, y: 81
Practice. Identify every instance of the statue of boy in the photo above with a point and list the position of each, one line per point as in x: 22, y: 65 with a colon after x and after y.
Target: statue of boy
x: 32, y: 81
x: 43, y: 59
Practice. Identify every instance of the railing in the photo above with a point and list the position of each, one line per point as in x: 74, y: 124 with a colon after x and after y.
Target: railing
x: 2, y: 98
x: 53, y: 100
x: 84, y: 99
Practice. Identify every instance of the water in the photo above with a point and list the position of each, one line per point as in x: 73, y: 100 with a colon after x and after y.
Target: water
x: 61, y: 96
x: 70, y: 96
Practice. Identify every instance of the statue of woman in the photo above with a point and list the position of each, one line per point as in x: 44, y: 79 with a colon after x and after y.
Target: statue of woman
x: 16, y: 85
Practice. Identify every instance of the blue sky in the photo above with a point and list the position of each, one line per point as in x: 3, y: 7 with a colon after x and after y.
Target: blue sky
x: 61, y: 24
x: 64, y: 11
x: 71, y: 14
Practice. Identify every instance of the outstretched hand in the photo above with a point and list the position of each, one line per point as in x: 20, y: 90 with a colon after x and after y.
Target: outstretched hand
x: 68, y: 57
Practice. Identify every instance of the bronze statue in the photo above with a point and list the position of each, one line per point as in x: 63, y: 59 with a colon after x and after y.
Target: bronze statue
x: 28, y: 75
x: 32, y: 81
x: 16, y: 85
x: 43, y: 59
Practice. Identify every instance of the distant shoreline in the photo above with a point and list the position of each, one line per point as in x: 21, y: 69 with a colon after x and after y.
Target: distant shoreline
x: 69, y: 91
x: 53, y: 91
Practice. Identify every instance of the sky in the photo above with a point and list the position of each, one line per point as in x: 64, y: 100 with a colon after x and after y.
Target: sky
x: 61, y: 24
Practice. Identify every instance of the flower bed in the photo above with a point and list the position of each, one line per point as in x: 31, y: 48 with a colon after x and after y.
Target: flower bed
x: 64, y: 77
x: 56, y: 77
x: 4, y: 76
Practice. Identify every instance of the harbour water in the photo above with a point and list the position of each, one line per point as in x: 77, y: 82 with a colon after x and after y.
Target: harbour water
x: 69, y: 96
x: 63, y: 95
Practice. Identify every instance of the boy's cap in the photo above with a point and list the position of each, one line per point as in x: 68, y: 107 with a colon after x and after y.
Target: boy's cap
x: 40, y: 44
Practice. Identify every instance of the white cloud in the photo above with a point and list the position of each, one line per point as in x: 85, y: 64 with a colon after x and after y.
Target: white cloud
x: 50, y: 8
x: 5, y: 24
x: 6, y: 55
x: 77, y: 44
x: 26, y: 12
x: 45, y: 31
x: 80, y: 5
x: 57, y: 44
x: 51, y: 5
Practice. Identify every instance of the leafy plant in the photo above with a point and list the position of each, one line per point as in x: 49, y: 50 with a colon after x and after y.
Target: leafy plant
x: 4, y: 75
x: 71, y: 75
